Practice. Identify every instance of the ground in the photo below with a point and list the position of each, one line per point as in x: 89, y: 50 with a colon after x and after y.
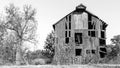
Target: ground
x: 64, y: 66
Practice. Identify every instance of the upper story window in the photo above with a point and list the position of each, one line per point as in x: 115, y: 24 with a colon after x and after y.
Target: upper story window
x: 103, y: 26
x: 69, y: 21
x: 92, y: 33
x: 78, y: 38
x: 102, y: 34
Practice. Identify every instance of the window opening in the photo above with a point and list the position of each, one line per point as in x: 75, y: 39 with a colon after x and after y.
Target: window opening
x: 102, y: 55
x: 87, y: 51
x: 78, y: 52
x: 67, y: 40
x: 78, y: 38
x: 93, y: 51
x: 69, y: 33
x: 102, y: 42
x: 102, y: 34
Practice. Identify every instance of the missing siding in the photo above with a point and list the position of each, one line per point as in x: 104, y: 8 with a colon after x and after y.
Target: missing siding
x: 90, y: 26
x: 66, y: 26
x: 103, y: 49
x: 89, y: 17
x: 70, y: 22
x: 78, y: 38
x: 102, y: 55
x: 69, y: 25
x: 104, y: 25
x: 65, y: 33
x: 102, y: 34
x: 78, y: 52
x: 69, y: 33
x: 67, y: 40
x: 93, y: 51
x: 102, y: 42
x: 92, y: 33
x: 103, y: 52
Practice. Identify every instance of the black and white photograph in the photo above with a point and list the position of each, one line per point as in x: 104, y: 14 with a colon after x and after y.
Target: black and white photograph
x: 59, y: 34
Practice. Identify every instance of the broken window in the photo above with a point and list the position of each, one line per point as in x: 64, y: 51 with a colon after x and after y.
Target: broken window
x: 67, y: 40
x: 102, y: 34
x: 93, y: 51
x: 87, y: 51
x: 78, y: 52
x: 92, y: 33
x: 78, y: 38
x: 102, y: 41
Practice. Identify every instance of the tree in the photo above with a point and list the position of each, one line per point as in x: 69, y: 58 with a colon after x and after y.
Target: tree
x: 23, y: 24
x: 113, y: 49
x: 49, y: 45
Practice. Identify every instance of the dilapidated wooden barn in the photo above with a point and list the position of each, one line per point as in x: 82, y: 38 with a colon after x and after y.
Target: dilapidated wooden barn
x: 80, y: 38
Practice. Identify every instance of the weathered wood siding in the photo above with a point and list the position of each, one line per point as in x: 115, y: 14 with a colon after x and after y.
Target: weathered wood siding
x: 65, y: 52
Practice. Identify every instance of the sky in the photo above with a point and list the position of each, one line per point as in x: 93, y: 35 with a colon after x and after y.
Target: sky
x: 51, y: 11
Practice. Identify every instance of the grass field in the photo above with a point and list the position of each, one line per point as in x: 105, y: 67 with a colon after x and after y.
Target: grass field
x: 64, y: 66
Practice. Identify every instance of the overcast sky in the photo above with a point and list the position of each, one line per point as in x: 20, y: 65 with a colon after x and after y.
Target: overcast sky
x: 50, y: 11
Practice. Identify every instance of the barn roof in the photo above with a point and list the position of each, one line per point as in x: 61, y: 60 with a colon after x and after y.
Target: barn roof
x: 79, y: 7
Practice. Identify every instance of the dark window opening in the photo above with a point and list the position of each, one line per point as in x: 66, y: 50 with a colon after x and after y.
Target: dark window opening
x: 103, y: 49
x: 69, y: 25
x: 103, y: 26
x: 69, y: 33
x: 102, y: 55
x: 102, y: 41
x: 78, y: 38
x: 70, y: 22
x: 89, y: 17
x: 102, y: 34
x: 93, y: 51
x: 78, y: 52
x: 70, y: 18
x: 67, y: 40
x: 92, y: 33
x: 89, y: 33
x: 65, y: 33
x: 91, y: 25
x: 87, y: 51
x: 65, y: 25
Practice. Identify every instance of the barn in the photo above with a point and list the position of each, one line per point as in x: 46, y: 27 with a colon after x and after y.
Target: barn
x: 80, y: 37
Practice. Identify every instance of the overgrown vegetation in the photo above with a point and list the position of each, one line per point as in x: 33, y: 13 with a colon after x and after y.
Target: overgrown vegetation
x: 16, y: 27
x: 49, y: 48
